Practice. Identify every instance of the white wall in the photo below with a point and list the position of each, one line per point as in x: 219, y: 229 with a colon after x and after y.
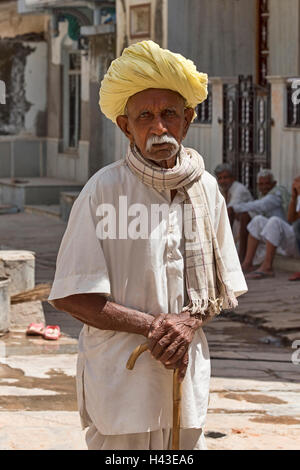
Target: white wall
x: 121, y: 144
x: 218, y: 35
x: 207, y: 139
x: 123, y: 22
x: 68, y: 167
x: 35, y: 84
x: 285, y: 141
x: 284, y: 37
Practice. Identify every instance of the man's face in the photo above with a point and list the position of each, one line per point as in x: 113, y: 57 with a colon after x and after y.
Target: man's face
x: 156, y: 122
x: 265, y: 184
x: 225, y: 180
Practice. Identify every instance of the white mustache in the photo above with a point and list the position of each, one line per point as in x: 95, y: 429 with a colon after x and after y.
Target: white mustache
x: 161, y: 139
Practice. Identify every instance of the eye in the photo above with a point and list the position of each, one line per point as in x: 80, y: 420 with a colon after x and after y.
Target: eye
x: 169, y: 112
x: 144, y: 115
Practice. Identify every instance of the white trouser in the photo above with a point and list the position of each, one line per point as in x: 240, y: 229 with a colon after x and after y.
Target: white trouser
x: 276, y: 231
x: 190, y: 439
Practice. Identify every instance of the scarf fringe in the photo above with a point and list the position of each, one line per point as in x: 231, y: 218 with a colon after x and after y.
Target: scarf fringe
x: 210, y: 306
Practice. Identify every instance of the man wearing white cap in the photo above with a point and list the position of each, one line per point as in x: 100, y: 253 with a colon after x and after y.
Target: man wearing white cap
x: 148, y: 253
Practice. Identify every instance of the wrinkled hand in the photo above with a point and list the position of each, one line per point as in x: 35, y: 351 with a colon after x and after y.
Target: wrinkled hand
x: 169, y: 338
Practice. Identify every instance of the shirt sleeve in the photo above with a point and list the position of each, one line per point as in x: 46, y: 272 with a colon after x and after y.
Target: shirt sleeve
x: 298, y: 204
x: 260, y: 206
x: 239, y: 195
x: 81, y: 266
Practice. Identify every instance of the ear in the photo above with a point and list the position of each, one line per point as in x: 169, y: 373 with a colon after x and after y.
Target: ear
x: 122, y: 122
x: 188, y: 115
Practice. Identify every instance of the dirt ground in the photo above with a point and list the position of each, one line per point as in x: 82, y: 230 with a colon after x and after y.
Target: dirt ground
x: 255, y: 384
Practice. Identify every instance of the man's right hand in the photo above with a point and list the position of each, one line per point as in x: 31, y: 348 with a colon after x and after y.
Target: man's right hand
x: 296, y: 187
x: 169, y: 338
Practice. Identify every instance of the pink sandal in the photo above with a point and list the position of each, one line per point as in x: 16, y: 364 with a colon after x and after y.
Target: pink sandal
x: 35, y: 329
x: 295, y: 277
x: 52, y: 332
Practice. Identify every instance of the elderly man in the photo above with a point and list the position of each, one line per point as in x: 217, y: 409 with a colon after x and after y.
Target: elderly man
x: 233, y: 191
x: 274, y: 201
x: 127, y: 280
x: 296, y: 226
x: 275, y: 235
x: 295, y: 208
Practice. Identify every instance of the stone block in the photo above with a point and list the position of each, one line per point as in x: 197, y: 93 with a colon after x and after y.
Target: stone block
x: 24, y: 313
x: 67, y: 200
x: 19, y: 266
x: 4, y: 305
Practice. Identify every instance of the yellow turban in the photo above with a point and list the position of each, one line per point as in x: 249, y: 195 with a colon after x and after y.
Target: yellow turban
x: 145, y: 65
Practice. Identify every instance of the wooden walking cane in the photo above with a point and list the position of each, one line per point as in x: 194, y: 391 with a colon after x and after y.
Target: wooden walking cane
x: 176, y: 394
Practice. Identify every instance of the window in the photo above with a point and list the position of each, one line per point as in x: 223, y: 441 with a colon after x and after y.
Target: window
x: 140, y: 21
x: 293, y: 103
x: 204, y: 110
x: 72, y: 100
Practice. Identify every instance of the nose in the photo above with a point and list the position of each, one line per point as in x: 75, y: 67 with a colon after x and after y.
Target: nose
x: 158, y: 126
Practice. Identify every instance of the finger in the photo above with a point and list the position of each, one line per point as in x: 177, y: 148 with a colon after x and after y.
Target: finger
x: 157, y: 331
x: 156, y: 323
x: 158, y: 341
x: 170, y: 367
x: 169, y: 341
x: 174, y: 353
x: 160, y: 346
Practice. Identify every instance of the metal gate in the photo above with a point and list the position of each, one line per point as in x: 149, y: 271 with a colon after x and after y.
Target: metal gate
x: 247, y: 129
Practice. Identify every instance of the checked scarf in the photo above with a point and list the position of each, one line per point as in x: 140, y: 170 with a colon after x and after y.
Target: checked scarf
x: 206, y: 277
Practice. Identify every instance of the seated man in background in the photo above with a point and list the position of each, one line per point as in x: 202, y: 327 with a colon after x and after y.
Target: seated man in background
x: 233, y: 191
x: 276, y: 234
x: 296, y: 223
x: 273, y: 202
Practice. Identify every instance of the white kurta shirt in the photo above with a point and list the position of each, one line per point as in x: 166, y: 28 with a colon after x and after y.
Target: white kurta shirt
x: 270, y: 205
x: 298, y: 204
x: 237, y: 194
x: 144, y: 274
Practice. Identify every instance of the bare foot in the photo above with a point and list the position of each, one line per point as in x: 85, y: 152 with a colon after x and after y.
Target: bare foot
x: 260, y: 275
x: 266, y: 269
x: 248, y: 268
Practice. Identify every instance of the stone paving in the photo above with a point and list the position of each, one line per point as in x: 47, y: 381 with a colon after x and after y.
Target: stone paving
x: 42, y: 235
x: 273, y: 304
x: 254, y: 393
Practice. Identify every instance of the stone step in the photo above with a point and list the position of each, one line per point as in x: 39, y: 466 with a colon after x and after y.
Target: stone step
x: 284, y: 263
x: 4, y: 304
x: 67, y: 199
x: 23, y: 192
x: 8, y: 209
x: 51, y: 210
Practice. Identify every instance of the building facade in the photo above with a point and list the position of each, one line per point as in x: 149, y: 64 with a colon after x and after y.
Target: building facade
x: 53, y: 55
x: 250, y: 51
